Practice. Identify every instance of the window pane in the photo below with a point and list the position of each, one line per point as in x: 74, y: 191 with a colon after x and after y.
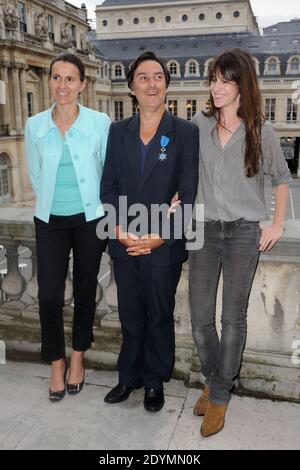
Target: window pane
x: 172, y: 107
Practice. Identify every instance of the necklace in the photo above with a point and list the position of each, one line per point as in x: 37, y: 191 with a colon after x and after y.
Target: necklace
x: 232, y: 123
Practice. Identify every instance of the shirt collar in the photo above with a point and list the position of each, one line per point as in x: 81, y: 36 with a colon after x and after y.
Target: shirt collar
x: 81, y: 124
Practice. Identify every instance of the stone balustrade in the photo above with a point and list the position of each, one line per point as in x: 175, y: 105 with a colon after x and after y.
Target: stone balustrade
x: 271, y: 361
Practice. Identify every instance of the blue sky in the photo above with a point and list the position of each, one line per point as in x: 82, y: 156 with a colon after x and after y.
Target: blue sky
x: 267, y: 11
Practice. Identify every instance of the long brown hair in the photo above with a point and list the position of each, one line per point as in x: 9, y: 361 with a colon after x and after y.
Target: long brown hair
x: 238, y: 66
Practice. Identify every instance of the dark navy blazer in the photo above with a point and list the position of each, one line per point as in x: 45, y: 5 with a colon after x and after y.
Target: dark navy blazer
x: 161, y: 179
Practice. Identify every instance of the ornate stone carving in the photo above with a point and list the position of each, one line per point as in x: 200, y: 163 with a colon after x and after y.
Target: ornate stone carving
x: 41, y: 25
x: 66, y: 38
x: 86, y: 46
x: 1, y: 17
x: 11, y: 16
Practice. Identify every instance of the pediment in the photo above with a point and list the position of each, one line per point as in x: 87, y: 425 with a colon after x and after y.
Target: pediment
x: 31, y: 76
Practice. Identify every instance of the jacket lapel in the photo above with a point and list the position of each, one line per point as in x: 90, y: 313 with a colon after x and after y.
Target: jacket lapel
x: 164, y: 128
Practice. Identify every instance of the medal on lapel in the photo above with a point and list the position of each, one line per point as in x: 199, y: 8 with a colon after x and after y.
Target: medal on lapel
x: 164, y: 140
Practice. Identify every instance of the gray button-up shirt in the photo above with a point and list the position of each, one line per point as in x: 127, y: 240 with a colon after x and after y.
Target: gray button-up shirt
x: 224, y: 189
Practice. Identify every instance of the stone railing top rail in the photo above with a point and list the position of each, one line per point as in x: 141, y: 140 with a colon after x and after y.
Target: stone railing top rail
x: 16, y: 223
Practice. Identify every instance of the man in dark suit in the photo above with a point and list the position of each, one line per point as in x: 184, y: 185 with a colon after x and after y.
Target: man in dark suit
x: 150, y: 157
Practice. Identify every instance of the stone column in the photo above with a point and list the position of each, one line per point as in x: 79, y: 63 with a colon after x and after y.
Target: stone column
x: 6, y: 116
x: 17, y: 97
x: 83, y: 96
x: 46, y: 91
x: 24, y: 93
x: 94, y: 95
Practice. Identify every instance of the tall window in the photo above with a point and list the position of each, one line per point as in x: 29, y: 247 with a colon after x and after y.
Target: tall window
x: 119, y: 113
x: 100, y: 106
x: 270, y: 109
x: 105, y: 71
x: 272, y: 66
x: 74, y: 35
x: 173, y: 68
x: 4, y: 183
x: 30, y: 104
x: 134, y: 108
x: 291, y: 112
x: 22, y: 17
x: 295, y: 64
x: 172, y: 107
x: 192, y: 68
x: 191, y: 109
x: 118, y: 71
x: 51, y: 28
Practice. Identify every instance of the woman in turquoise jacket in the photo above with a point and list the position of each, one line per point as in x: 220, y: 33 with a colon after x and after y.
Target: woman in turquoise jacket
x: 65, y: 151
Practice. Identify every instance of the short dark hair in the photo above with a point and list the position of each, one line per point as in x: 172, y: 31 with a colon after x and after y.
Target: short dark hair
x: 149, y: 55
x: 72, y: 59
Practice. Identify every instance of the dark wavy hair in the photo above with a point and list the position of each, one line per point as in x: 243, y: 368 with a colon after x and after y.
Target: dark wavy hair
x: 72, y: 59
x: 142, y: 58
x: 238, y: 66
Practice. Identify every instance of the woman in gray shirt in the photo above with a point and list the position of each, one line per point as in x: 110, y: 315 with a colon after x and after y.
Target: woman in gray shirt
x: 237, y: 147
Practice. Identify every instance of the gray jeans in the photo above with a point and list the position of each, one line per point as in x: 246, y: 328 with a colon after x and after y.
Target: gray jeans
x: 232, y: 247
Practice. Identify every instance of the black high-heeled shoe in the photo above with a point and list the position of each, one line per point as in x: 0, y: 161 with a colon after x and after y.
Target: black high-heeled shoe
x: 74, y: 389
x: 58, y: 396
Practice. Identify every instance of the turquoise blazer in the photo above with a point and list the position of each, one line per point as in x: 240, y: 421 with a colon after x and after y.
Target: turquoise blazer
x: 86, y: 139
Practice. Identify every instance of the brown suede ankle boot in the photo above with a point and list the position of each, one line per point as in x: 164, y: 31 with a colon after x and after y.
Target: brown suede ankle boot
x: 201, y: 403
x: 214, y: 419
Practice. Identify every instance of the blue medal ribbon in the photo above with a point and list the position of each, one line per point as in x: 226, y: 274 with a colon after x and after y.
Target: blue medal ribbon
x: 164, y: 140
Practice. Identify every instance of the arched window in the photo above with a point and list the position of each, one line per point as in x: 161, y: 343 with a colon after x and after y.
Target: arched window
x: 4, y: 178
x: 192, y: 68
x: 207, y: 66
x: 173, y: 68
x: 295, y: 64
x: 272, y: 66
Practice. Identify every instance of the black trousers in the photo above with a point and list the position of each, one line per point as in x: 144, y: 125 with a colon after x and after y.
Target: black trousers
x: 146, y: 298
x: 54, y: 241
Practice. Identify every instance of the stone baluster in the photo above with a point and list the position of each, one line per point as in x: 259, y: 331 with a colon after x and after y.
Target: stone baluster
x: 32, y: 287
x: 68, y: 309
x: 13, y: 285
